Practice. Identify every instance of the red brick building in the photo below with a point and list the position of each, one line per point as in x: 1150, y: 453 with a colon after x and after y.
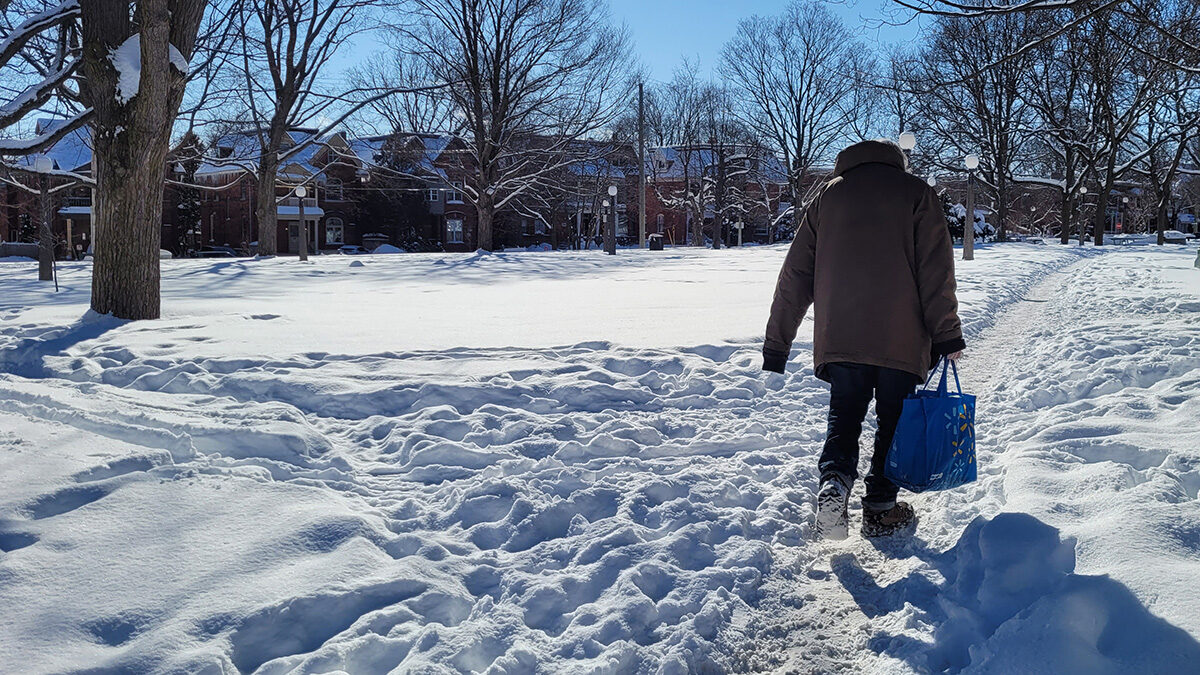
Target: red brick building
x: 402, y: 189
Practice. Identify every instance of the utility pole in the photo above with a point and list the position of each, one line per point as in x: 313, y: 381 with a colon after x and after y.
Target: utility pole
x: 641, y: 167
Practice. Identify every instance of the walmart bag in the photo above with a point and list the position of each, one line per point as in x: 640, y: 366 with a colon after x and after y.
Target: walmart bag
x: 934, y: 445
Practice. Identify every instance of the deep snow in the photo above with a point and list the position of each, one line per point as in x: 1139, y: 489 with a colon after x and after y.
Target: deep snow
x: 567, y: 462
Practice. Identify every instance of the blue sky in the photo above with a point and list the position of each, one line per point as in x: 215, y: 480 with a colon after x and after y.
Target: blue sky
x: 664, y: 31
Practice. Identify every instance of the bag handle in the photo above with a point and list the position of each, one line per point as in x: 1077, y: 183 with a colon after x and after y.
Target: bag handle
x: 946, y: 365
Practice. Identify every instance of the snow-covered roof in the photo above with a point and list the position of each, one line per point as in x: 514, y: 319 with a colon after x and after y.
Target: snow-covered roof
x: 368, y: 149
x: 240, y: 150
x: 72, y: 153
x: 668, y: 162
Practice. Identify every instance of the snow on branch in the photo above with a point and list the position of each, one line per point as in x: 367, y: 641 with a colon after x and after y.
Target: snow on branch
x: 12, y: 43
x: 35, y: 96
x: 29, y: 146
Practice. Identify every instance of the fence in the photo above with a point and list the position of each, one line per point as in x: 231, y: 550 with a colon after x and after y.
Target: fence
x: 8, y: 249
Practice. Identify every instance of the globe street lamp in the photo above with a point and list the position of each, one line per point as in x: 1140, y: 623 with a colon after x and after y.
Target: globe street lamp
x: 1124, y: 206
x: 301, y: 192
x: 908, y: 141
x: 610, y: 238
x: 1082, y: 221
x: 972, y: 163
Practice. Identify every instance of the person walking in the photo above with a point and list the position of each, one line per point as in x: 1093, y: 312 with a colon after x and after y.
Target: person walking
x: 873, y: 257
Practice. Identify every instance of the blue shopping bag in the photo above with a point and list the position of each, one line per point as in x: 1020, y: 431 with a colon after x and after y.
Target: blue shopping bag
x: 934, y: 445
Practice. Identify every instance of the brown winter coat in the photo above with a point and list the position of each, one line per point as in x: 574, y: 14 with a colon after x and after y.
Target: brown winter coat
x: 874, y: 259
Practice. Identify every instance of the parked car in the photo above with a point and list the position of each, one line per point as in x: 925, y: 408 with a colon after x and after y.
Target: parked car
x: 350, y: 249
x: 216, y: 252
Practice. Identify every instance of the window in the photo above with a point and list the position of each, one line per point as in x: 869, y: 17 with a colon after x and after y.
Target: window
x: 333, y: 189
x: 433, y: 195
x: 539, y: 226
x: 660, y: 220
x: 454, y: 194
x: 454, y: 231
x: 335, y: 231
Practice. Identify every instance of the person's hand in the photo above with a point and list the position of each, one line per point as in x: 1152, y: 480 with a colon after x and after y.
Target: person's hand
x: 955, y: 356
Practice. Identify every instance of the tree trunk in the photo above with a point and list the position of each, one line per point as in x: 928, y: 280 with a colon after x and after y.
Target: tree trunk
x: 46, y: 233
x: 125, y: 277
x: 1101, y: 215
x: 132, y: 130
x: 487, y: 215
x: 1064, y: 219
x: 1065, y: 216
x: 1160, y: 222
x: 1002, y: 209
x: 265, y: 209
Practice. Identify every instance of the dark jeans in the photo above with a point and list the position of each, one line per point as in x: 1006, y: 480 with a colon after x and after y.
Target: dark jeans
x: 851, y: 387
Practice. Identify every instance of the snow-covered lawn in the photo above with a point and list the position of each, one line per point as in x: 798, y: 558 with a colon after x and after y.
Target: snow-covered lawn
x: 557, y: 462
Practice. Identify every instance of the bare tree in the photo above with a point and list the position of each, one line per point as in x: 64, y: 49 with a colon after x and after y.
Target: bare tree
x: 285, y: 52
x: 800, y: 75
x: 969, y: 105
x: 530, y: 78
x: 1172, y: 124
x: 427, y: 110
x: 1123, y: 85
x: 1056, y: 90
x: 677, y: 172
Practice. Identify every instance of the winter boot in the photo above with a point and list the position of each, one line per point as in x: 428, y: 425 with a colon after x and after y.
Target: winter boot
x: 891, y: 521
x: 833, y: 518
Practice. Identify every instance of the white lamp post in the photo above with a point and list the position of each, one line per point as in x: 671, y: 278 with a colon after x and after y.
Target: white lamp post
x: 301, y: 192
x: 1082, y: 221
x: 610, y: 239
x: 972, y: 163
x: 907, y: 141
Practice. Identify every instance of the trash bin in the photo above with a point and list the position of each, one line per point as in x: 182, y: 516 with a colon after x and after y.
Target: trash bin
x: 655, y: 241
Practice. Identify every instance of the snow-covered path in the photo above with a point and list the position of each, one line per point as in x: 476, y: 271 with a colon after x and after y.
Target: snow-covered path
x: 1089, y: 392
x: 544, y: 463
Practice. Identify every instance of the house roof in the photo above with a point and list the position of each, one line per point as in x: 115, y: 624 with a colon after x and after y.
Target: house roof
x: 668, y: 162
x: 241, y: 150
x: 71, y: 153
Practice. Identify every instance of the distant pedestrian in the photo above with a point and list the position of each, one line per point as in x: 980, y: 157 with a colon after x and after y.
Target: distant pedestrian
x: 873, y: 257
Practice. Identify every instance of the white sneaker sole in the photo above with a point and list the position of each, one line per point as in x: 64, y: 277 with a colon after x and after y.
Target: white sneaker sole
x: 832, y: 520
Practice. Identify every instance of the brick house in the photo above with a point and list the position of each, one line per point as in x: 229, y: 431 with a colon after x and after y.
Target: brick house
x: 756, y: 182
x: 416, y: 181
x: 227, y: 205
x: 403, y: 189
x: 20, y: 215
